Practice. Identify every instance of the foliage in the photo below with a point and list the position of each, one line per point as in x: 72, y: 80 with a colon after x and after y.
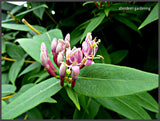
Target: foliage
x: 123, y: 85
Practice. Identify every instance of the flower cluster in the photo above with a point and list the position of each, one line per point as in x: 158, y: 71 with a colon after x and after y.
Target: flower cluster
x: 69, y: 61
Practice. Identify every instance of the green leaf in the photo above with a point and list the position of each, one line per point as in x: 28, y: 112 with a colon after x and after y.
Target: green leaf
x: 14, y: 51
x: 94, y: 23
x: 73, y: 96
x: 25, y: 88
x: 14, y: 10
x: 92, y: 107
x: 145, y: 100
x: 3, y: 49
x: 22, y: 27
x: 30, y: 68
x: 42, y: 76
x: 49, y: 100
x: 38, y: 12
x: 7, y: 89
x: 103, y: 52
x: 3, y: 104
x: 76, y: 34
x: 118, y: 56
x: 5, y: 79
x: 105, y: 80
x: 88, y: 2
x: 15, y: 69
x: 31, y: 98
x: 34, y: 114
x: 124, y: 106
x: 48, y: 36
x: 33, y: 46
x: 153, y: 15
x: 128, y: 23
x: 20, y: 15
x: 107, y: 10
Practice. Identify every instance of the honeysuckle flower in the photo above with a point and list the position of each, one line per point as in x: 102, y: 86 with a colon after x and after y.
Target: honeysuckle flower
x: 89, y: 48
x: 75, y: 59
x: 46, y: 62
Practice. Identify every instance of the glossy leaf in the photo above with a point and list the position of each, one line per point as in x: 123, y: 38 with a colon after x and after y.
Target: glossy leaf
x: 76, y: 34
x: 30, y: 68
x: 94, y: 23
x: 124, y: 106
x: 118, y: 56
x: 42, y: 76
x: 14, y: 51
x: 3, y: 49
x: 20, y: 15
x: 32, y: 46
x: 92, y: 107
x: 38, y: 12
x: 128, y: 23
x: 73, y: 96
x: 15, y: 69
x: 145, y: 100
x: 31, y: 98
x: 7, y: 89
x: 105, y: 80
x: 153, y: 15
x: 23, y: 27
x: 5, y: 79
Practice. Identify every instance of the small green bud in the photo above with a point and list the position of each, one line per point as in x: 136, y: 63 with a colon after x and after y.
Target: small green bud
x: 68, y: 71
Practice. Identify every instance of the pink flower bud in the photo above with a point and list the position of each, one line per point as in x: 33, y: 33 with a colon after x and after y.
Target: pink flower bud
x: 75, y: 73
x: 60, y: 46
x: 45, y: 58
x: 75, y: 56
x: 88, y: 37
x: 54, y: 45
x: 67, y: 38
x: 59, y: 59
x: 62, y: 72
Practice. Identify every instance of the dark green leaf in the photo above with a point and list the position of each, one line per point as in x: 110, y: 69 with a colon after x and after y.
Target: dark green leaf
x: 105, y: 80
x: 31, y: 98
x: 73, y: 96
x: 92, y: 107
x: 145, y: 100
x: 128, y: 23
x: 153, y: 15
x: 14, y: 51
x: 7, y: 89
x: 3, y: 49
x: 124, y: 106
x: 22, y: 27
x: 5, y: 79
x: 20, y: 15
x: 38, y: 12
x: 15, y: 69
x: 30, y: 68
x: 34, y: 114
x: 94, y: 23
x: 118, y: 56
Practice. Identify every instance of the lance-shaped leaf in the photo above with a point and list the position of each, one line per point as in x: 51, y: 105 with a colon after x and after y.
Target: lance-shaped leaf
x: 31, y: 98
x: 105, y: 80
